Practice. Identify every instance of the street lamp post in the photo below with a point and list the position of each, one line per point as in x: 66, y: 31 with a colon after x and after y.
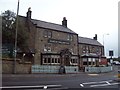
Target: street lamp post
x: 103, y: 40
x: 103, y: 37
x: 16, y: 39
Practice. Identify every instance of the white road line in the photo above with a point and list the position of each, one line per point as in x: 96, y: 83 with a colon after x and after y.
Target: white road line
x: 97, y: 82
x: 44, y: 86
x: 81, y: 85
x: 103, y: 85
x: 53, y: 85
x: 93, y: 74
x: 21, y: 86
x: 108, y: 83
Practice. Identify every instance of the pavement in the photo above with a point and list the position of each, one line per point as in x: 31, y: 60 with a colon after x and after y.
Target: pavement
x: 41, y: 75
x: 54, y: 75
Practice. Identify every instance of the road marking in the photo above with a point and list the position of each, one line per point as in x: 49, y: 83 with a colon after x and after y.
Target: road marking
x: 42, y: 86
x: 21, y: 86
x: 97, y: 82
x: 108, y: 82
x: 81, y: 85
x: 103, y: 85
x: 45, y: 87
x: 93, y: 74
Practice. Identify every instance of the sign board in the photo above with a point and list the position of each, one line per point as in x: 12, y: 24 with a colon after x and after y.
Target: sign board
x: 111, y: 53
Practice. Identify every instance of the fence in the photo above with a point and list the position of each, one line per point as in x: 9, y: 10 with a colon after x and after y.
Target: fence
x: 53, y: 69
x: 98, y: 69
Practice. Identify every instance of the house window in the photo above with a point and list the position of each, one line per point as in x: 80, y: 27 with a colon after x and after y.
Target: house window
x: 70, y: 37
x: 87, y: 49
x: 45, y: 60
x: 47, y: 48
x: 52, y: 60
x: 49, y: 60
x: 47, y: 34
x: 97, y: 50
x: 84, y: 49
x: 56, y: 60
x: 89, y: 63
x: 84, y: 63
x: 73, y: 62
x: 93, y: 49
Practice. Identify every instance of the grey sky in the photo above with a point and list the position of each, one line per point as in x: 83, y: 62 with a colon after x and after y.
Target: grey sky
x: 85, y: 17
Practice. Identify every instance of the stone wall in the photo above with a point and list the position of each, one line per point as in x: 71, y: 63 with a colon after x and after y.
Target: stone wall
x: 21, y: 68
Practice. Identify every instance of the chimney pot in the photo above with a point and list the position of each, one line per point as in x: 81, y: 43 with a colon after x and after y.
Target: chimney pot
x: 95, y: 38
x: 29, y: 13
x: 64, y: 22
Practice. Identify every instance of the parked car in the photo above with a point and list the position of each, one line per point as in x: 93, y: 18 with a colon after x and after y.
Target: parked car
x: 116, y: 62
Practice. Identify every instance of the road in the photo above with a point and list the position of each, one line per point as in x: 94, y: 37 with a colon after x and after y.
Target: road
x: 80, y: 80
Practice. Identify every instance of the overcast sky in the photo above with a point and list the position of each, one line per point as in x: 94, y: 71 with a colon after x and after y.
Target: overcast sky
x: 85, y: 17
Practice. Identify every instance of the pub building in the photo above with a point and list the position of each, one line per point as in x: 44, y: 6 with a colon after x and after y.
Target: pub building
x: 55, y: 44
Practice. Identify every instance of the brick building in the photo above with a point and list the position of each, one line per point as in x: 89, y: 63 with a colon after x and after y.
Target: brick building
x: 91, y: 52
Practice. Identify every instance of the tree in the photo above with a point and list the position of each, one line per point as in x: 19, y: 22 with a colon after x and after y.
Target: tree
x: 9, y: 28
x: 8, y: 33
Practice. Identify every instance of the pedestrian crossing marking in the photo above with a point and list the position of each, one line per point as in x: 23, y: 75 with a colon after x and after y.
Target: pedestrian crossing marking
x: 99, y: 84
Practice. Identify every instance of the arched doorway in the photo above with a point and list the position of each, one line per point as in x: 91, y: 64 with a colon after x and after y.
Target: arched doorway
x: 65, y: 57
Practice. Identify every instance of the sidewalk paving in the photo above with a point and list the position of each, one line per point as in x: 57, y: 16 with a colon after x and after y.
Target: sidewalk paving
x: 50, y: 75
x: 40, y: 75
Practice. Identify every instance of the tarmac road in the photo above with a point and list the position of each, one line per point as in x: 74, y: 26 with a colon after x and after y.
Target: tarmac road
x: 102, y: 80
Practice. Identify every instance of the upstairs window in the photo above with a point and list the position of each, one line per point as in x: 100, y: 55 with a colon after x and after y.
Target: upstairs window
x: 70, y: 37
x: 97, y: 51
x: 47, y: 34
x: 84, y: 49
x: 47, y: 48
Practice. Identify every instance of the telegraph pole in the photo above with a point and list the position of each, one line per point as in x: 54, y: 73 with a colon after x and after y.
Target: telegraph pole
x: 16, y: 39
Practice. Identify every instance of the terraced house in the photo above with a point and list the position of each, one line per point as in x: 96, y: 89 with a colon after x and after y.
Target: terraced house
x: 56, y: 45
x: 91, y: 52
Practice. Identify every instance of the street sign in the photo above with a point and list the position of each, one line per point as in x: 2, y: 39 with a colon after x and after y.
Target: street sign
x: 111, y: 53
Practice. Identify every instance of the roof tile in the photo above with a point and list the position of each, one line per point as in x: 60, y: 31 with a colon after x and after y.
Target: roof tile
x: 85, y: 40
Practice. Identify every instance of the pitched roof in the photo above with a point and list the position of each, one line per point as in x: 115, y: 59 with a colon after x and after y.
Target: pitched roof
x: 49, y: 25
x: 52, y: 26
x: 85, y: 40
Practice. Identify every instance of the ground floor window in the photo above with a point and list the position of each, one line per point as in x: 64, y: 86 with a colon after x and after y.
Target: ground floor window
x: 74, y: 61
x: 84, y: 63
x: 50, y: 59
x: 89, y: 61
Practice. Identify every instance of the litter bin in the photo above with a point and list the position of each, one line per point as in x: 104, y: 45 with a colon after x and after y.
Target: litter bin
x: 62, y: 70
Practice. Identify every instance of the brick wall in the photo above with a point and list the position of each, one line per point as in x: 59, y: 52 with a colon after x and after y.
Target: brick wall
x: 21, y: 68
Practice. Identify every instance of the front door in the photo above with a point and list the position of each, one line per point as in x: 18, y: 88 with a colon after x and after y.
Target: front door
x: 67, y: 60
x: 65, y: 57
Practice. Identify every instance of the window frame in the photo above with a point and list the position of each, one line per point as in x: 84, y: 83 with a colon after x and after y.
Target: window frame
x: 47, y: 34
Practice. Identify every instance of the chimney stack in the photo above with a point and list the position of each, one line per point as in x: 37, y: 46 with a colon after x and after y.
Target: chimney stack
x: 95, y: 38
x: 29, y: 13
x: 64, y: 22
